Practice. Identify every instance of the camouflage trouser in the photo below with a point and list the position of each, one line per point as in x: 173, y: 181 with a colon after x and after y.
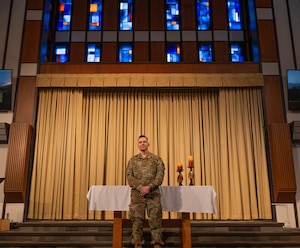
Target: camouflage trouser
x: 137, y: 215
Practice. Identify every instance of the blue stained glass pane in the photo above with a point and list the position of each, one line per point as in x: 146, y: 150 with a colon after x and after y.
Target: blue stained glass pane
x: 172, y: 15
x: 125, y: 53
x: 255, y: 51
x: 253, y: 29
x: 237, y: 53
x: 46, y: 28
x: 64, y: 15
x: 93, y: 53
x: 203, y: 14
x: 173, y: 53
x: 61, y: 53
x: 67, y: 18
x: 95, y: 20
x: 234, y: 14
x: 252, y: 16
x: 205, y: 53
x: 126, y: 15
x: 68, y: 7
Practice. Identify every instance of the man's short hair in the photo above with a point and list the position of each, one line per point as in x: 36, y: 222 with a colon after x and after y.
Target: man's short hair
x: 143, y: 136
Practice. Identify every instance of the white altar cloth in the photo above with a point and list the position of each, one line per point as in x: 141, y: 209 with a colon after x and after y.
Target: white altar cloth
x: 174, y: 198
x: 188, y: 199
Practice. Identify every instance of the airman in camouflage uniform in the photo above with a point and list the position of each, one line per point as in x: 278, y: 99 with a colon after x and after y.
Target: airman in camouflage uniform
x: 145, y: 173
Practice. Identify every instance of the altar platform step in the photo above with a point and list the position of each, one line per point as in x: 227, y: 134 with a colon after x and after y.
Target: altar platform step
x: 242, y: 234
x: 90, y: 234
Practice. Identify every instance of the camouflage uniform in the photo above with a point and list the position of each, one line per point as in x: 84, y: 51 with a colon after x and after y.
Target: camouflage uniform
x: 140, y: 172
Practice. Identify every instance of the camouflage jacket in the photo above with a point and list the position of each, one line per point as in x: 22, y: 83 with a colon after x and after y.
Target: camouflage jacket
x: 145, y: 171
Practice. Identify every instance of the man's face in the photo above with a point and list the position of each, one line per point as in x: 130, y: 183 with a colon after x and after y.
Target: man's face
x: 143, y: 144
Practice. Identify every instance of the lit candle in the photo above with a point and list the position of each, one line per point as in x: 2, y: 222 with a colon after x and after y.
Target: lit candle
x: 191, y: 162
x: 179, y: 166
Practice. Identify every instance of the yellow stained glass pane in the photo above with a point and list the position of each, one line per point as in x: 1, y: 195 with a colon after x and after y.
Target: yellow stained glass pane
x: 93, y: 7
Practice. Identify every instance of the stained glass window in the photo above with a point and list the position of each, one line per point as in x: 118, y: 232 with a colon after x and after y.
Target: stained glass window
x: 45, y: 46
x: 125, y: 53
x: 173, y: 52
x: 172, y: 14
x: 93, y: 53
x: 203, y: 14
x: 253, y: 30
x: 205, y: 53
x: 95, y: 15
x: 61, y: 53
x: 255, y: 51
x: 234, y: 14
x: 252, y: 16
x: 237, y: 53
x: 64, y: 15
x: 126, y: 14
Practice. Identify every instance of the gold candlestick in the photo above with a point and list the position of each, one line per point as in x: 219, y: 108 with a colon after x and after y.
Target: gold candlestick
x: 179, y: 170
x: 179, y: 179
x: 191, y: 176
x: 191, y: 166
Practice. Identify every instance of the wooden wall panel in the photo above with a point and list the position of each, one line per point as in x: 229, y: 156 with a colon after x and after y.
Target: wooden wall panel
x: 141, y: 52
x: 267, y: 41
x: 150, y: 67
x: 109, y: 52
x: 110, y: 15
x: 189, y: 51
x: 24, y: 109
x: 219, y: 15
x: 188, y: 15
x: 79, y: 16
x: 157, y: 15
x: 77, y: 52
x: 157, y: 53
x: 282, y: 164
x: 31, y: 44
x: 274, y: 104
x: 263, y: 3
x: 221, y: 53
x: 35, y: 4
x: 141, y: 15
x: 15, y: 183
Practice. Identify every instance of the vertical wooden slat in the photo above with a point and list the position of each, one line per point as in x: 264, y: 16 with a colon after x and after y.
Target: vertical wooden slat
x: 141, y: 51
x: 219, y: 15
x: 189, y: 52
x: 188, y: 15
x: 157, y: 52
x: 110, y: 20
x: 30, y: 51
x: 17, y: 163
x: 267, y: 41
x: 79, y: 16
x: 77, y: 52
x: 282, y: 165
x: 157, y: 15
x: 141, y: 18
x: 35, y: 4
x: 222, y: 52
x: 109, y: 53
x: 24, y: 110
x: 263, y: 3
x: 275, y: 109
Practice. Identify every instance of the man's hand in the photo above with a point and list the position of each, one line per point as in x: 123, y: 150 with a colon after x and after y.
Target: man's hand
x: 145, y: 190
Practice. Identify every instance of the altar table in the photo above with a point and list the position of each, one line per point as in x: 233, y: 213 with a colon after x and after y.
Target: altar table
x: 185, y: 199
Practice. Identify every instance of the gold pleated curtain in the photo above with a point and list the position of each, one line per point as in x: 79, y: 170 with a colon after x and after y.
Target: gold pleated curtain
x: 85, y: 137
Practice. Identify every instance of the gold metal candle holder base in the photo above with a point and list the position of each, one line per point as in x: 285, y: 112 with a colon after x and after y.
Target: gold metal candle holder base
x: 179, y: 178
x: 191, y: 176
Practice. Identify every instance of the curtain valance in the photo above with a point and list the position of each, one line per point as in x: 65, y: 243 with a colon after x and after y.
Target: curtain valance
x: 151, y: 80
